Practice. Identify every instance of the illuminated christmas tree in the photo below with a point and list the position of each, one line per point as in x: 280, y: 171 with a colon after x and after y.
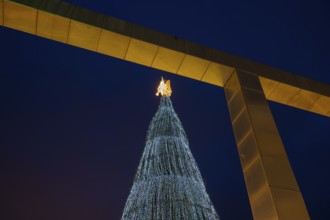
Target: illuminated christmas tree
x: 167, y: 184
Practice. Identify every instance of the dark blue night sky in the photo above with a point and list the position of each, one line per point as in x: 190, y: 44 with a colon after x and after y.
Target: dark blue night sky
x: 73, y: 122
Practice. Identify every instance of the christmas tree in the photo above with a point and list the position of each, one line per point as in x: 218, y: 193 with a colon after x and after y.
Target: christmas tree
x: 167, y: 184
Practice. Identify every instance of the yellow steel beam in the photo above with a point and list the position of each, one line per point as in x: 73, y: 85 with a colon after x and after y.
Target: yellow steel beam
x: 271, y: 185
x: 272, y: 188
x: 1, y: 12
x: 63, y: 22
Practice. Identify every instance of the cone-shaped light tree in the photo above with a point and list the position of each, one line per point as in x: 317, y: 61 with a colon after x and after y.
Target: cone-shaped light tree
x: 168, y: 184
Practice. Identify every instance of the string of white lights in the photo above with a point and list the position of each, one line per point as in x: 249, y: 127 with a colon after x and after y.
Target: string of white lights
x: 168, y: 184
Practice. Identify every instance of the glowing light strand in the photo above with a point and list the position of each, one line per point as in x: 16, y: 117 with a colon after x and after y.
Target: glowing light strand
x: 168, y: 184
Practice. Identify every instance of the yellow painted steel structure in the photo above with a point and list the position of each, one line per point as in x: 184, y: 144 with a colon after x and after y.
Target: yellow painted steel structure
x: 63, y: 22
x: 271, y: 185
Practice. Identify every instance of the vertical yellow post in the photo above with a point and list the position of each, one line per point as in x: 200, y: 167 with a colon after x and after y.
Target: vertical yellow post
x: 272, y: 188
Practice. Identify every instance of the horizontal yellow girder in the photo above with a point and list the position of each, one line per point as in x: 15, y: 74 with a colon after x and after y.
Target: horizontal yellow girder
x: 63, y: 22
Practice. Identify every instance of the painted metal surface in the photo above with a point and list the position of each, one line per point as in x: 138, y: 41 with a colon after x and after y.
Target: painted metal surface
x: 63, y: 22
x: 272, y: 188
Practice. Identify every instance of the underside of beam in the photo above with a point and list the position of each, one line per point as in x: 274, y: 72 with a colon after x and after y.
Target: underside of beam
x: 66, y: 23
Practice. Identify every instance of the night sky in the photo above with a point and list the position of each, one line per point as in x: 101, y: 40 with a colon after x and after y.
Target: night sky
x: 73, y: 122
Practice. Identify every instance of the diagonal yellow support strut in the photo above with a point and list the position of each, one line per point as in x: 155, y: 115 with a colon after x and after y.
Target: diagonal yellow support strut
x: 271, y: 185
